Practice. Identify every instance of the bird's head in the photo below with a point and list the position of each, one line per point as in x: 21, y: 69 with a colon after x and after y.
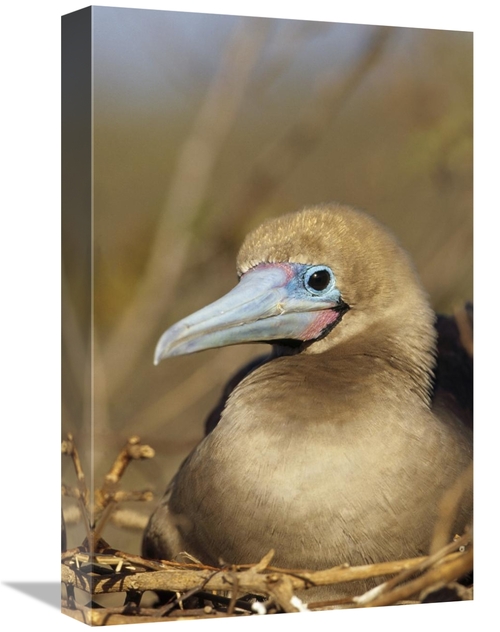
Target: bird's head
x: 300, y: 275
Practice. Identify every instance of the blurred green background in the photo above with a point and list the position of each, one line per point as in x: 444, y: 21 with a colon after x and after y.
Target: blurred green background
x: 204, y: 125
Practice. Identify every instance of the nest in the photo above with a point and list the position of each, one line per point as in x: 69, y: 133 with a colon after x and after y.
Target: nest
x: 145, y: 590
x: 193, y: 590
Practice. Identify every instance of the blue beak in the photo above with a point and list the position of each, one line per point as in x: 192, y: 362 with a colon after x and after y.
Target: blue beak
x: 269, y: 303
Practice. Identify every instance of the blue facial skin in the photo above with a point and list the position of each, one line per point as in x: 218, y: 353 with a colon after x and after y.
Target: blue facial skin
x: 313, y: 283
x: 273, y: 301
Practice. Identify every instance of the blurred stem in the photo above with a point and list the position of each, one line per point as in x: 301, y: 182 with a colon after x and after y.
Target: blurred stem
x: 191, y: 178
x: 100, y: 405
x: 184, y: 395
x: 289, y: 42
x: 74, y: 347
x: 278, y: 160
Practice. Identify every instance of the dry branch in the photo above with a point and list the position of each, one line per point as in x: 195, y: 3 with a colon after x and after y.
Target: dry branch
x: 68, y: 447
x: 108, y: 496
x: 249, y: 580
x: 119, y: 616
x: 390, y: 586
x: 132, y: 450
x: 82, y: 494
x: 436, y: 577
x: 276, y: 587
x: 197, y: 588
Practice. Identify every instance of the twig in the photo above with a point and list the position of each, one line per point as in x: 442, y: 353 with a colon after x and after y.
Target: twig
x: 281, y: 589
x: 427, y: 562
x: 107, y: 497
x: 68, y: 447
x: 107, y: 494
x: 126, y: 496
x: 183, y: 579
x: 133, y: 449
x: 234, y: 592
x: 99, y: 617
x: 71, y: 492
x: 438, y: 576
x: 264, y: 562
x: 448, y: 509
x: 117, y: 497
x: 224, y: 601
x: 178, y: 602
x: 277, y: 587
x: 102, y: 518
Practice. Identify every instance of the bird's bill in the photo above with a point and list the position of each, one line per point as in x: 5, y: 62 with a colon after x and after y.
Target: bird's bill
x: 263, y: 307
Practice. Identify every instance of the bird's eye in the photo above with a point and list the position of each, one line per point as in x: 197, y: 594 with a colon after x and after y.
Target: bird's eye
x: 318, y: 278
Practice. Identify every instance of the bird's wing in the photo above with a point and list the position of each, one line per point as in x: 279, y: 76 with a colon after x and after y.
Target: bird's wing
x: 453, y: 382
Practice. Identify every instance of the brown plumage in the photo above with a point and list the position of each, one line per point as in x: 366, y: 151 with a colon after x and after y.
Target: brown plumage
x: 338, y: 446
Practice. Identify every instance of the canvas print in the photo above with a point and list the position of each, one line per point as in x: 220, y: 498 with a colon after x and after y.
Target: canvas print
x: 267, y: 316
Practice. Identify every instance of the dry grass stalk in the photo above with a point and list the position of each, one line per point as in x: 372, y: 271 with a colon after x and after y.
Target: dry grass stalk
x: 448, y: 508
x: 278, y: 160
x: 187, y: 190
x: 192, y: 389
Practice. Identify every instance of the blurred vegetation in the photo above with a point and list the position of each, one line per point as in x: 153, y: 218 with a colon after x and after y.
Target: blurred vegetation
x: 203, y: 127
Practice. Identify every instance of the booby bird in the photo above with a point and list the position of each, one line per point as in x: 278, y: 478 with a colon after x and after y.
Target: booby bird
x: 332, y: 448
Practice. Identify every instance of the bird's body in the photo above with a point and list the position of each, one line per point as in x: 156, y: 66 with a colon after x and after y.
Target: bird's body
x: 331, y: 449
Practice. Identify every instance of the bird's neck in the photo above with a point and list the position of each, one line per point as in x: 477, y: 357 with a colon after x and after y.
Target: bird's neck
x: 410, y: 354
x: 401, y: 347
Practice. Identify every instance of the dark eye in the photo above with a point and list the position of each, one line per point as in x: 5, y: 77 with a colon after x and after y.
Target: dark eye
x: 318, y: 279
